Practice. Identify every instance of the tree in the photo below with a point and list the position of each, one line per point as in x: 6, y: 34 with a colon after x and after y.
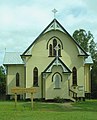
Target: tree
x: 2, y: 81
x: 86, y: 41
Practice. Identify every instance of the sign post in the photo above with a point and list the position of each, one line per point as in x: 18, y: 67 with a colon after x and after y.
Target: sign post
x: 15, y: 100
x: 18, y: 90
x: 31, y: 100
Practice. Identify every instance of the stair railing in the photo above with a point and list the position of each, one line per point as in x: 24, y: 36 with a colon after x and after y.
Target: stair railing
x: 73, y: 94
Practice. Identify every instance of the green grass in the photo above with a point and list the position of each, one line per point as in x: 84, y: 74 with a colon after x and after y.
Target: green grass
x: 49, y: 111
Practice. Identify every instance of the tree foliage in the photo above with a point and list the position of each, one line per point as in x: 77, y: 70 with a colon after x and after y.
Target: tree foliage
x: 86, y: 41
x: 2, y: 81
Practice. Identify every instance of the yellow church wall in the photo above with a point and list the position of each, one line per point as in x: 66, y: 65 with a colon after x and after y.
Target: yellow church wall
x: 11, y: 76
x: 29, y: 82
x: 41, y: 60
x: 50, y: 91
x: 87, y: 79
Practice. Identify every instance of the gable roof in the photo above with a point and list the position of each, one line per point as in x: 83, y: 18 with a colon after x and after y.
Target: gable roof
x: 57, y: 62
x: 12, y: 58
x: 55, y: 25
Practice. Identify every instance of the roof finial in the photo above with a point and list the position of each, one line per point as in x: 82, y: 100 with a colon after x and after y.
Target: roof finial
x: 54, y: 11
x: 5, y: 49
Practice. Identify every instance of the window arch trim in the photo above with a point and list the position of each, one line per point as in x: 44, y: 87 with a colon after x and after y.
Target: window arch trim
x: 54, y: 75
x: 54, y: 37
x: 57, y: 78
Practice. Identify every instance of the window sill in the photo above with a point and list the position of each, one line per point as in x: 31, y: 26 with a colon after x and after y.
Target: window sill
x: 54, y: 56
x: 57, y: 88
x: 35, y: 86
x: 74, y: 85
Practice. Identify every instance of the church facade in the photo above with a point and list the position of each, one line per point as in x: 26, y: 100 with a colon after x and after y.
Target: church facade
x: 54, y: 64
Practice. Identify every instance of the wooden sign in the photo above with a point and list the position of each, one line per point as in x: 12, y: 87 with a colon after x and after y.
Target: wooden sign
x: 19, y: 90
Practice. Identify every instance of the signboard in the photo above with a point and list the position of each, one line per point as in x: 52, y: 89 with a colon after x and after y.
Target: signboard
x: 19, y: 90
x: 80, y: 88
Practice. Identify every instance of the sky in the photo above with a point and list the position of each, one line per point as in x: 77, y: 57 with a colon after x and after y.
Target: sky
x: 21, y: 21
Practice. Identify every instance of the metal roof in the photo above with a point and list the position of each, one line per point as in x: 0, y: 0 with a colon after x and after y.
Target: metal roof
x: 12, y: 58
x: 89, y: 60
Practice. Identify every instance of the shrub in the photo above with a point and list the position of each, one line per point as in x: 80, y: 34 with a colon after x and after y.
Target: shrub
x: 58, y: 100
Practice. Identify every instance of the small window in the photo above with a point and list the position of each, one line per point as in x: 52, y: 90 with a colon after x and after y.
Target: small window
x: 74, y: 76
x: 17, y: 79
x: 59, y: 51
x: 50, y: 50
x: 54, y: 45
x: 57, y: 80
x: 35, y: 77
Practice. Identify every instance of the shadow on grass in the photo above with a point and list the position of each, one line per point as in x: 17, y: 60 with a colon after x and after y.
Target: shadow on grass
x: 62, y: 107
x: 90, y: 106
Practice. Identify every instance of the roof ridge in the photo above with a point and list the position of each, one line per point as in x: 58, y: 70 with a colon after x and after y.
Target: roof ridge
x: 14, y: 52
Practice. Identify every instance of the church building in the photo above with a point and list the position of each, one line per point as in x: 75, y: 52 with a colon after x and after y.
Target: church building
x: 54, y: 64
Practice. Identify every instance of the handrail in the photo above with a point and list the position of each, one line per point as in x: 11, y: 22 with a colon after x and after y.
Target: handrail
x: 73, y: 92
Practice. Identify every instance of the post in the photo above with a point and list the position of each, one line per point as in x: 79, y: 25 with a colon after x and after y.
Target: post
x: 15, y: 100
x: 31, y: 100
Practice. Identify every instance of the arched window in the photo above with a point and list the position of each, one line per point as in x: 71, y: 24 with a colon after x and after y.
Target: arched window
x: 50, y: 50
x: 57, y: 78
x: 52, y: 44
x: 35, y: 77
x: 17, y: 79
x: 74, y: 76
x: 57, y: 81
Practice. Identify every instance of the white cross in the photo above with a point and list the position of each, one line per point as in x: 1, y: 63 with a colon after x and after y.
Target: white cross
x: 54, y: 11
x: 57, y: 49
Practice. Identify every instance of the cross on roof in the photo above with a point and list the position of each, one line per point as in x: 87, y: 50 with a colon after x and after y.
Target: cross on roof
x: 54, y: 11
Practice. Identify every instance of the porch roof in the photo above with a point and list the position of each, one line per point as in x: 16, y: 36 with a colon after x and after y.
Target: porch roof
x: 56, y: 62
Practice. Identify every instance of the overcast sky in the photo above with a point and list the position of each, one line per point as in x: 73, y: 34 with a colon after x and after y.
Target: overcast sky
x: 21, y: 21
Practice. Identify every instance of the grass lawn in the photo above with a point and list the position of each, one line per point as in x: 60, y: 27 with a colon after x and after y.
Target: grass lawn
x: 49, y: 111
